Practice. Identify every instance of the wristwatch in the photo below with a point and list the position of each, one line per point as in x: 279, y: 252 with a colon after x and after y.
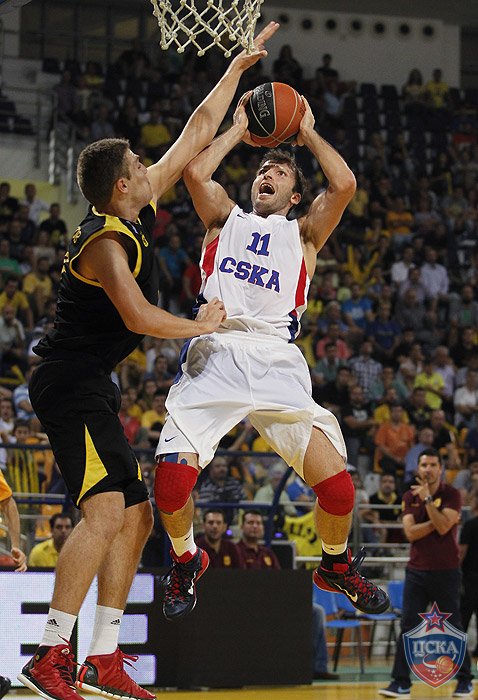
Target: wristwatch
x: 428, y: 500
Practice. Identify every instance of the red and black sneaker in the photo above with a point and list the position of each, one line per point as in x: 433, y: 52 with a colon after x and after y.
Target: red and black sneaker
x: 345, y: 578
x: 51, y: 673
x: 179, y: 585
x: 104, y: 674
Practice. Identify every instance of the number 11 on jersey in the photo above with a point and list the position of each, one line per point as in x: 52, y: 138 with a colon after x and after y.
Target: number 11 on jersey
x: 258, y: 240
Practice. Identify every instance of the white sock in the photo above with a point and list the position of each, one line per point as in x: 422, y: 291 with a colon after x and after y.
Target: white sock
x: 334, y: 549
x: 184, y: 544
x: 58, y: 628
x: 105, y: 630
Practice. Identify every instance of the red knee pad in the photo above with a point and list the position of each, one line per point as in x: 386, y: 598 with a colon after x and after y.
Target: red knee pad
x: 336, y: 494
x: 173, y: 484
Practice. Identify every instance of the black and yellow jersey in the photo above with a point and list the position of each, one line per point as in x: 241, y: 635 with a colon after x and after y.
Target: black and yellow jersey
x: 87, y: 323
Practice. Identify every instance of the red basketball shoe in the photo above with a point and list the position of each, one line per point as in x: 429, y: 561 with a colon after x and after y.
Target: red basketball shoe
x: 51, y: 673
x: 104, y: 675
x: 345, y: 578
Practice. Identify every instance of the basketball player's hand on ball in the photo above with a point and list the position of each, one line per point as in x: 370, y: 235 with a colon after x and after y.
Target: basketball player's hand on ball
x: 243, y: 61
x: 240, y: 119
x: 210, y: 316
x: 306, y: 124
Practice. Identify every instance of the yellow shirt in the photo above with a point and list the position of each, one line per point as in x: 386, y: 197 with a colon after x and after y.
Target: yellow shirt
x: 153, y: 135
x: 43, y: 554
x: 301, y: 529
x: 437, y: 92
x: 400, y: 222
x: 260, y: 445
x: 32, y: 282
x: 382, y: 414
x: 435, y: 381
x: 18, y: 301
x: 359, y: 203
x: 151, y: 417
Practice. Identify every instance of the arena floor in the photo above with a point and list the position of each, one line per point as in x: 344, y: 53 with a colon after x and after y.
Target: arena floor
x: 317, y: 691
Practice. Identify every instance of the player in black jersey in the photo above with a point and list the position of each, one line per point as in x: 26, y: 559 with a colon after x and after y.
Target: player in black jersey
x: 106, y: 303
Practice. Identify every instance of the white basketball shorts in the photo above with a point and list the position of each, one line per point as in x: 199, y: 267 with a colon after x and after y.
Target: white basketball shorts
x: 225, y: 377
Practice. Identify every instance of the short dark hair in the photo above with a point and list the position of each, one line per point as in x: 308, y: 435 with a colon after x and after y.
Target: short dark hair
x: 429, y: 452
x: 59, y: 516
x: 251, y: 511
x: 100, y: 165
x: 213, y: 510
x: 276, y: 155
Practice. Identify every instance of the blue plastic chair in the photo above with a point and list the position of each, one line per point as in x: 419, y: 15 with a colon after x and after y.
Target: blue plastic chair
x: 328, y: 601
x: 395, y: 592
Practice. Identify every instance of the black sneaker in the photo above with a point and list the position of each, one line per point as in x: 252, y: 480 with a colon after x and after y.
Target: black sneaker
x: 395, y: 690
x: 345, y: 578
x: 5, y: 684
x: 179, y: 585
x: 464, y: 689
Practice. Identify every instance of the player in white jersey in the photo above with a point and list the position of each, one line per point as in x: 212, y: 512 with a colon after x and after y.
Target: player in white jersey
x: 259, y: 264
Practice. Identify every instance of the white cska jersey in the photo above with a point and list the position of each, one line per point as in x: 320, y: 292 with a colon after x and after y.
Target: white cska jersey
x: 256, y: 267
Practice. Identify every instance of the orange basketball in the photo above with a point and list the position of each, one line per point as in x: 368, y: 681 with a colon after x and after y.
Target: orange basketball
x: 274, y: 111
x: 444, y: 664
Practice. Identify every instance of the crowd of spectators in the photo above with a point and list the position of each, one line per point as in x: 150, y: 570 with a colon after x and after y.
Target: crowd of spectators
x: 391, y: 328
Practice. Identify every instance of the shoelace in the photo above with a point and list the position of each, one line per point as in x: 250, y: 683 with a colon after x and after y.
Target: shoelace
x: 62, y: 661
x: 362, y: 585
x: 177, y: 582
x: 130, y: 685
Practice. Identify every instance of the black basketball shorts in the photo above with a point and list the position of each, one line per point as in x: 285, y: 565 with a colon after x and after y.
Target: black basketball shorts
x: 77, y: 406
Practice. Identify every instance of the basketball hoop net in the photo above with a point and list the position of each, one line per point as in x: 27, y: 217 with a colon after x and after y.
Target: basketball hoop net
x: 226, y: 24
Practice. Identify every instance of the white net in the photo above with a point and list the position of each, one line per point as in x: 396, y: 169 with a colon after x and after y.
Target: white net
x: 226, y: 24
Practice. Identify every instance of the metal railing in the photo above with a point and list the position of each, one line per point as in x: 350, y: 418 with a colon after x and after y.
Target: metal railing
x: 381, y: 554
